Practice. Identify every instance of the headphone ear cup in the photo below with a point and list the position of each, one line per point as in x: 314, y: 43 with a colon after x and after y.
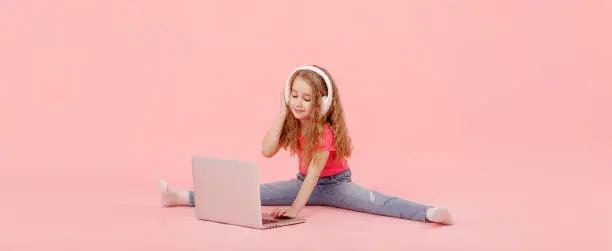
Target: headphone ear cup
x: 325, y: 105
x: 287, y: 92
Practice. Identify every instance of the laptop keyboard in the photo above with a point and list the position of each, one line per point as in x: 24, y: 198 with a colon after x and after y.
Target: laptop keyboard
x: 268, y: 221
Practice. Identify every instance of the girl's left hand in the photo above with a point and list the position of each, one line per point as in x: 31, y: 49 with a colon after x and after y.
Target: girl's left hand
x: 288, y: 212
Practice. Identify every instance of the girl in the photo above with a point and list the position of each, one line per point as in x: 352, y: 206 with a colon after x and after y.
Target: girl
x: 311, y: 125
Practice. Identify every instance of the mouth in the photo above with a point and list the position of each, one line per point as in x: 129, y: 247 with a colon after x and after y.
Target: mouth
x: 298, y: 110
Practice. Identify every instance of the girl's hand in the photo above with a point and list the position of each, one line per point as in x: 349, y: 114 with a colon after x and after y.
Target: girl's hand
x: 289, y: 212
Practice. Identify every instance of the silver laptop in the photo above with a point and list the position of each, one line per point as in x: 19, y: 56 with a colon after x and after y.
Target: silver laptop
x: 227, y: 191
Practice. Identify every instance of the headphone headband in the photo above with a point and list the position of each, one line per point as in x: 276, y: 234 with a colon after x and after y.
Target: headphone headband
x: 326, y: 101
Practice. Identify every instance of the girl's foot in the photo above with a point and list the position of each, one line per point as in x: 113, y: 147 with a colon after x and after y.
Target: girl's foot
x: 439, y: 215
x: 171, y: 197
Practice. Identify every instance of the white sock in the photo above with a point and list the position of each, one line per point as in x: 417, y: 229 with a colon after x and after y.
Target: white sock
x: 439, y: 215
x: 171, y: 197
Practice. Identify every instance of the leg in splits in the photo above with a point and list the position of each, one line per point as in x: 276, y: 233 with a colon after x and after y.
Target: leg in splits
x: 351, y: 196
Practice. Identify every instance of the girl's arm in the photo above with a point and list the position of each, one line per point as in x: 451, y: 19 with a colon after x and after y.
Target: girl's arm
x: 312, y: 176
x: 269, y: 145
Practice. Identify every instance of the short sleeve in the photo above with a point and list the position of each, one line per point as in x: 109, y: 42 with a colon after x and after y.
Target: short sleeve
x: 327, y: 140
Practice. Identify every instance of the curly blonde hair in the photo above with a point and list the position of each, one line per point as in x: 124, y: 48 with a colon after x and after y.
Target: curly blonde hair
x: 334, y: 118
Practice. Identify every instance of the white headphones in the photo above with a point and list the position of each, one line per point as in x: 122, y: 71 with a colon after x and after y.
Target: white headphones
x: 326, y: 101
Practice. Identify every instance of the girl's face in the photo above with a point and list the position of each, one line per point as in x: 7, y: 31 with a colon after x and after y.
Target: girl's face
x: 302, y: 100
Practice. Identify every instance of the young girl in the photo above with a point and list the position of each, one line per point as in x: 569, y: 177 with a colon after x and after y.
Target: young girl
x: 311, y: 124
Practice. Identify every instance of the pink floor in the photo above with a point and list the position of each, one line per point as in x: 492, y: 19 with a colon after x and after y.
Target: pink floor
x: 555, y: 201
x: 500, y: 110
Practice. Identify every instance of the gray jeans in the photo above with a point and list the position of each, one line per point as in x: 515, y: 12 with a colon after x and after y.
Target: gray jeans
x: 339, y: 191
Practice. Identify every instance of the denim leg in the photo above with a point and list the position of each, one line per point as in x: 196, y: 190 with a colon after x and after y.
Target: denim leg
x: 280, y: 193
x: 348, y: 195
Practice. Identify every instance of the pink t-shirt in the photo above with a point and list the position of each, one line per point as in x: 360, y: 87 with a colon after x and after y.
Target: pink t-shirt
x: 332, y: 167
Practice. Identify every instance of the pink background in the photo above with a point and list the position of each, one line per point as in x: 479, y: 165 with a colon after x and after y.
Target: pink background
x: 491, y: 107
